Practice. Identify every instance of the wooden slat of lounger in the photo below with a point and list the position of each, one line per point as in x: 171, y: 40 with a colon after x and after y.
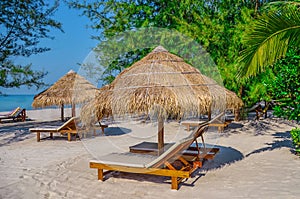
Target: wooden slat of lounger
x: 38, y: 134
x: 151, y: 148
x: 153, y: 171
x: 202, y: 150
x: 48, y: 129
x: 44, y: 129
x: 209, y: 155
x: 188, y: 124
x: 148, y: 147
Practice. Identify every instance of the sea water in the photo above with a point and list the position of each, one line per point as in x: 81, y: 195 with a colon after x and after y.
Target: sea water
x: 10, y: 102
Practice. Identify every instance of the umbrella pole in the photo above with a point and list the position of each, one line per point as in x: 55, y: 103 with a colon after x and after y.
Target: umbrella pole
x: 73, y: 110
x: 160, y: 135
x: 62, y: 112
x: 209, y: 113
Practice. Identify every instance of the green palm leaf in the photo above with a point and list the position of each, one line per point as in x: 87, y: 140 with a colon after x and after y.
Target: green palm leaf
x: 269, y: 39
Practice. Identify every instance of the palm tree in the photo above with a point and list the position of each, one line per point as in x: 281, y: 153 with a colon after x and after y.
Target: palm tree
x: 269, y: 38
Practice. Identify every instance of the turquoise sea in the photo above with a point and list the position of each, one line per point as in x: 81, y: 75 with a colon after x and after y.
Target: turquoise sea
x: 10, y: 102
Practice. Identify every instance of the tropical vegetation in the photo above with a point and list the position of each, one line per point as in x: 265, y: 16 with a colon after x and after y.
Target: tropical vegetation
x: 272, y: 55
x: 269, y: 38
x: 23, y: 24
x: 295, y: 134
x: 254, y: 44
x: 247, y: 40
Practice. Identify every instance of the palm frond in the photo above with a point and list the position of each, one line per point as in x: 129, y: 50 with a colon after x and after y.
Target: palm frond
x: 284, y: 3
x: 268, y: 40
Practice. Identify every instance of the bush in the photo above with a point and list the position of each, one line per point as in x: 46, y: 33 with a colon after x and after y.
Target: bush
x: 295, y: 133
x: 285, y: 88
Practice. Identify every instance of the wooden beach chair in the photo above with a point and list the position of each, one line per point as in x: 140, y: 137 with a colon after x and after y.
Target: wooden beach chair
x: 261, y: 112
x: 190, y: 124
x: 217, y: 122
x: 68, y: 127
x: 221, y: 122
x: 11, y: 113
x: 171, y: 163
x: 16, y: 115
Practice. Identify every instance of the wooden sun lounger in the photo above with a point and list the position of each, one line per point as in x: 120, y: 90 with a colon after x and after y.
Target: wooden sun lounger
x: 221, y: 125
x: 68, y: 127
x: 17, y: 115
x: 217, y: 122
x: 190, y: 124
x: 71, y: 127
x: 11, y: 113
x: 162, y: 165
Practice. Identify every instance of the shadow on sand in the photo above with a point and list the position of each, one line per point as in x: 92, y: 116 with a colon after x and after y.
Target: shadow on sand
x: 226, y: 156
x: 115, y: 131
x: 19, y: 131
x: 282, y: 139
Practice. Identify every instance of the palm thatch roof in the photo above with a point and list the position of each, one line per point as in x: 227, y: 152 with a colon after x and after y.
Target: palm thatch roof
x: 71, y: 88
x: 161, y: 84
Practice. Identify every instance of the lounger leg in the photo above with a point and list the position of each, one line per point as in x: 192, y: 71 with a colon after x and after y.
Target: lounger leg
x: 100, y: 174
x: 197, y: 164
x: 102, y: 128
x: 38, y: 136
x: 69, y: 137
x: 221, y: 129
x: 174, y: 183
x: 51, y: 135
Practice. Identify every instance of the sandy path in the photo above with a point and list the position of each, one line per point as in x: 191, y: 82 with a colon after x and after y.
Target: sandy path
x: 253, y: 163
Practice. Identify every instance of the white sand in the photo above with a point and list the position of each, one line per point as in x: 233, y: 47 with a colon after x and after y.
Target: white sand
x: 255, y: 161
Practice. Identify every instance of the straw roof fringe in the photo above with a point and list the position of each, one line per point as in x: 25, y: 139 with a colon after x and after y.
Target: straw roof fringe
x: 160, y: 84
x: 71, y: 88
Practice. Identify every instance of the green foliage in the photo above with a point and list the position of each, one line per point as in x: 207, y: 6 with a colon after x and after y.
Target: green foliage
x: 267, y: 39
x: 278, y: 84
x: 256, y: 89
x: 285, y: 88
x: 12, y: 75
x: 122, y: 50
x: 295, y: 134
x: 23, y: 24
x: 122, y: 62
x: 219, y: 27
x: 216, y: 25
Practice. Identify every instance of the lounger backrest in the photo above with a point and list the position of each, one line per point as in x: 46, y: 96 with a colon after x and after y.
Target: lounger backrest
x: 18, y: 113
x: 219, y: 118
x: 199, y: 131
x: 70, y: 124
x: 175, y: 150
x: 14, y: 112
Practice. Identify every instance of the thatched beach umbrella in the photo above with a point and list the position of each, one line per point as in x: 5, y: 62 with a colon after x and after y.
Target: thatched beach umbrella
x: 71, y: 89
x: 160, y: 84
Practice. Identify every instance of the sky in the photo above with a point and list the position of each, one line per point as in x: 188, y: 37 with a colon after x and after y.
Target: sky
x: 67, y: 49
